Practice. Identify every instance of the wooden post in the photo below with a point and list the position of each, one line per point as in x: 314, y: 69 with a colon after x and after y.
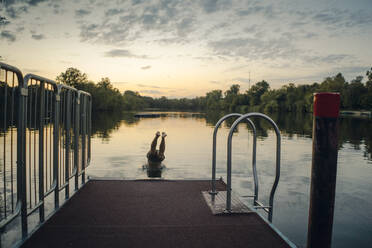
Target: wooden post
x: 324, y: 169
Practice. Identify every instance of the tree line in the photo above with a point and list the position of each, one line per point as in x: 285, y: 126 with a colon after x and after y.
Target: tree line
x: 355, y: 95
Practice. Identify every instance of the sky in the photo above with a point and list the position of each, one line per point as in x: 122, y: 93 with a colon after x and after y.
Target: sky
x: 181, y: 48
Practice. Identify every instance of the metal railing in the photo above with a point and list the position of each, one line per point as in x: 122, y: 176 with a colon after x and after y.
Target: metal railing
x: 11, y: 99
x: 256, y: 203
x: 53, y: 129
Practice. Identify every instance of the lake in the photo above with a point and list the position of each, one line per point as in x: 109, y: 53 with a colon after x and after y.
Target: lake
x: 120, y: 143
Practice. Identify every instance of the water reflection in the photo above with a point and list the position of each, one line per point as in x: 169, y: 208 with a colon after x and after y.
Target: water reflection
x: 154, y: 171
x: 354, y: 131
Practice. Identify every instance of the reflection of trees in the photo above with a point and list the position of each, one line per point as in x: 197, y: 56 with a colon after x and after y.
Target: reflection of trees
x: 212, y: 117
x: 103, y: 123
x: 289, y: 123
x: 355, y: 131
x: 294, y: 123
x: 129, y: 119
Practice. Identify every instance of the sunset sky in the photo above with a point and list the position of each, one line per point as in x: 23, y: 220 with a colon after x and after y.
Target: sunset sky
x: 181, y: 48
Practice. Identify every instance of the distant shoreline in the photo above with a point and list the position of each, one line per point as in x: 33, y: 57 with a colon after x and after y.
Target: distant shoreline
x: 356, y: 113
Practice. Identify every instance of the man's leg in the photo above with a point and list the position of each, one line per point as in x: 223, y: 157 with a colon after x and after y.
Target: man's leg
x: 154, y: 142
x: 162, y: 145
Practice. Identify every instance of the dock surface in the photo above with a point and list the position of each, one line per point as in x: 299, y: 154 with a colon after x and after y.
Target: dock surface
x: 145, y: 213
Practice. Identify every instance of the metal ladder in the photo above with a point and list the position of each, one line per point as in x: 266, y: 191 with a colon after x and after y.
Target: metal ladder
x: 256, y: 203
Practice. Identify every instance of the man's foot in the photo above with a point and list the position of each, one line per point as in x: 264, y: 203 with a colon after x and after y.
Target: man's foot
x: 163, y: 134
x: 157, y: 134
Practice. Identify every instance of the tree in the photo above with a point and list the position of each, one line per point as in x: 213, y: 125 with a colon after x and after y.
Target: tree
x: 369, y: 74
x: 354, y: 93
x: 105, y: 83
x: 73, y: 77
x: 133, y: 100
x: 214, y: 99
x: 333, y: 84
x: 233, y: 91
x: 367, y: 99
x: 231, y: 97
x: 256, y: 91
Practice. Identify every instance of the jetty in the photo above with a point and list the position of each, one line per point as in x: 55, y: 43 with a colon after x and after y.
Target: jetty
x: 150, y: 213
x: 147, y: 115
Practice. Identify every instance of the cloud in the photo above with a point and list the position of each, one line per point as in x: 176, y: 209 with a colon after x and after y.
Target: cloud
x: 135, y: 2
x: 204, y: 58
x: 152, y: 92
x: 81, y: 13
x: 328, y: 59
x: 112, y: 12
x: 31, y: 70
x: 360, y: 70
x: 274, y: 51
x: 148, y: 86
x: 15, y: 12
x: 8, y: 3
x: 185, y: 26
x: 15, y: 9
x: 66, y: 62
x: 255, y: 48
x: 3, y: 21
x: 342, y: 18
x: 38, y: 36
x: 242, y: 80
x: 172, y: 40
x: 88, y: 32
x: 34, y: 2
x: 211, y: 6
x: 7, y: 35
x: 57, y: 9
x: 236, y: 68
x: 215, y: 82
x: 114, y: 53
x: 257, y: 9
x: 166, y: 21
x: 146, y: 67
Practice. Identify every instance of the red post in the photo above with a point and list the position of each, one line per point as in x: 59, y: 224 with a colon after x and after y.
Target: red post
x: 323, y: 170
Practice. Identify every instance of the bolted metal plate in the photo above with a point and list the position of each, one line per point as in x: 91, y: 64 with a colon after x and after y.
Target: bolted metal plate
x: 217, y: 203
x: 24, y: 91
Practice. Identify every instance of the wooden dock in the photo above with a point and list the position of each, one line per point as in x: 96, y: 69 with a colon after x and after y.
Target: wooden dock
x: 150, y: 213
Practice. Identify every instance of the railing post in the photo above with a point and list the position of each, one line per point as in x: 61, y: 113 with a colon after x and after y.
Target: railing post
x: 76, y: 138
x: 254, y: 169
x: 41, y: 150
x: 89, y: 132
x: 83, y: 137
x: 21, y: 157
x: 57, y: 102
x: 323, y: 170
x: 68, y: 143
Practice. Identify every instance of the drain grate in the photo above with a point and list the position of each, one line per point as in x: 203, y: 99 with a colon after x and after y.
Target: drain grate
x: 217, y: 203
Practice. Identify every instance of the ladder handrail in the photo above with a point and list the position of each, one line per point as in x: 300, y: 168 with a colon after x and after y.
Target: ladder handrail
x: 277, y: 170
x: 218, y: 124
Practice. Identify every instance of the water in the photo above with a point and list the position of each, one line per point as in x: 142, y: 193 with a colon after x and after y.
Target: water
x: 120, y: 144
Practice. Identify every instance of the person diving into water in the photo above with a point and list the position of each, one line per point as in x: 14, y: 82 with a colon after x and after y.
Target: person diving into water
x: 155, y: 157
